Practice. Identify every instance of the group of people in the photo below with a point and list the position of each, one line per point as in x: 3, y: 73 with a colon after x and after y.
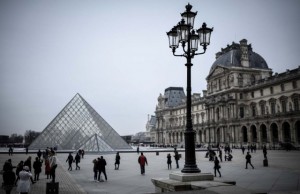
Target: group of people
x: 228, y: 156
x: 27, y: 173
x: 99, y: 167
x: 176, y: 157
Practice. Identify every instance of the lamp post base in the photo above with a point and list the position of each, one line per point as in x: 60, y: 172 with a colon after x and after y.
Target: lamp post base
x: 190, y: 169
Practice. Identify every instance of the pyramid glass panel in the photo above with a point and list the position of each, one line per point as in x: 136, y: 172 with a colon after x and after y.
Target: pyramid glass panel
x: 78, y: 125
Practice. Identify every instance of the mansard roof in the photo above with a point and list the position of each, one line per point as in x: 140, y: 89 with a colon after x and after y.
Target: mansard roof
x: 232, y: 54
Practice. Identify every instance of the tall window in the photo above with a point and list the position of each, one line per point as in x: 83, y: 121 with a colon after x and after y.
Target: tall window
x: 241, y: 112
x: 282, y: 87
x: 294, y: 84
x: 261, y: 92
x: 283, y: 105
x: 273, y: 104
x: 283, y: 101
x: 271, y: 90
x: 241, y: 95
x: 218, y: 114
x: 240, y: 80
x: 263, y: 110
x: 253, y: 110
x: 296, y: 104
x: 252, y: 79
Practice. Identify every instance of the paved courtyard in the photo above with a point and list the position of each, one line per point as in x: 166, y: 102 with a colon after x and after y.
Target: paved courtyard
x: 282, y: 175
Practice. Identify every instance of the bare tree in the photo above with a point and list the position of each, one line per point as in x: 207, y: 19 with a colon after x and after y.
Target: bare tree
x: 15, y: 138
x: 30, y: 136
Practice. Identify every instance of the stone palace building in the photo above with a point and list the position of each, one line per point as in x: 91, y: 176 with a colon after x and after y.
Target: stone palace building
x: 245, y: 103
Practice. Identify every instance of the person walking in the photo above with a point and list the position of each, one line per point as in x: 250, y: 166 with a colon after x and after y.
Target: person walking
x: 248, y: 160
x: 24, y: 182
x: 53, y: 165
x: 169, y: 161
x: 37, y: 166
x: 82, y: 153
x: 77, y: 160
x: 265, y: 151
x: 142, y: 160
x: 117, y: 161
x: 9, y: 178
x: 176, y: 156
x: 217, y: 166
x: 220, y: 154
x: 95, y: 169
x: 39, y: 154
x: 10, y: 151
x: 243, y: 150
x: 101, y: 168
x: 70, y: 161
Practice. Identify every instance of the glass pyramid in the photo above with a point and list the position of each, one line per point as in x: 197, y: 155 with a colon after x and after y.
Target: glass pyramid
x: 75, y: 125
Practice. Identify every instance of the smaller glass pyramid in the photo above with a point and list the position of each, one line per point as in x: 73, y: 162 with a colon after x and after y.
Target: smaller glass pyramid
x: 96, y: 144
x: 78, y: 125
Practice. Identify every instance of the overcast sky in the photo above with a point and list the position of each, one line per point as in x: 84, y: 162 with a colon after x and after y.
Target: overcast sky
x: 115, y: 53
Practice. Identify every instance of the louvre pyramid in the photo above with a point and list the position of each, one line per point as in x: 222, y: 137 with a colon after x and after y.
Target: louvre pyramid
x: 79, y: 125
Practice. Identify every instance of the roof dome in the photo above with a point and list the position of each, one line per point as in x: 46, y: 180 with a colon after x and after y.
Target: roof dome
x: 233, y: 55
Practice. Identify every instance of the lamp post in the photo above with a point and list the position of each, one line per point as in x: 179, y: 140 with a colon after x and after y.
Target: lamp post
x: 184, y: 33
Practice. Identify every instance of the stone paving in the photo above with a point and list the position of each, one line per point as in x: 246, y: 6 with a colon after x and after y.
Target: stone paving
x: 282, y: 175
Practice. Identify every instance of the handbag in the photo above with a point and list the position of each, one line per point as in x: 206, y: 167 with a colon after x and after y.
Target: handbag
x: 219, y: 166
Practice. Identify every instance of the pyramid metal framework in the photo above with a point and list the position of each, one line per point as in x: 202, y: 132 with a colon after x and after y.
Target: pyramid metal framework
x: 77, y: 126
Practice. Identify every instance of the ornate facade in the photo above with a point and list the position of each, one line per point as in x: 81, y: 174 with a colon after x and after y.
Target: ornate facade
x: 245, y: 103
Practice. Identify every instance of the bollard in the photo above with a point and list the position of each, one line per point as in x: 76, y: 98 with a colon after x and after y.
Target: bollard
x: 157, y: 153
x: 52, y: 188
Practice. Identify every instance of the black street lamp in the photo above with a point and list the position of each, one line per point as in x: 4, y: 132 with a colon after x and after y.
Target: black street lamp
x: 185, y: 34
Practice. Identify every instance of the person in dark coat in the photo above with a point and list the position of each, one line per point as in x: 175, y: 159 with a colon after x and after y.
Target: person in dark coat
x: 37, y: 166
x: 39, y: 154
x: 117, y: 161
x: 77, y: 160
x: 10, y: 151
x: 248, y: 160
x: 169, y: 161
x: 220, y: 154
x: 8, y: 165
x: 28, y: 163
x: 82, y: 153
x: 101, y: 168
x: 217, y: 166
x: 9, y: 178
x: 95, y: 169
x: 265, y: 151
x: 243, y: 150
x: 18, y: 170
x: 70, y: 161
x: 176, y: 157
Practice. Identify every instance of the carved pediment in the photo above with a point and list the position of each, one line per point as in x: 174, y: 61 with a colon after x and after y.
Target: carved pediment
x: 219, y: 70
